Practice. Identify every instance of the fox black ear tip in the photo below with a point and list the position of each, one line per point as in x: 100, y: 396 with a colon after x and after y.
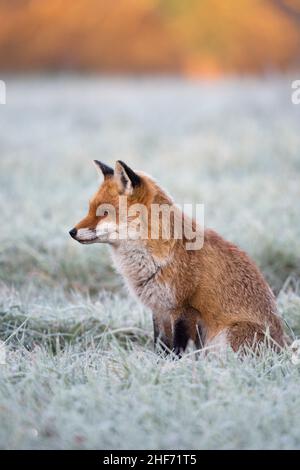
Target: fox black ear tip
x: 124, y: 165
x: 106, y: 170
x: 134, y: 177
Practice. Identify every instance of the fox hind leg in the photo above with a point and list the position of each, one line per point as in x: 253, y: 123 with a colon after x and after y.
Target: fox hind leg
x: 243, y: 335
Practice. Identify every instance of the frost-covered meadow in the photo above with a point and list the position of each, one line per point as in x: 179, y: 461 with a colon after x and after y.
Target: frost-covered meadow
x: 80, y: 369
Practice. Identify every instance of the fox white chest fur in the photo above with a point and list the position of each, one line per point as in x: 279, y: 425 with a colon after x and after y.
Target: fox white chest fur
x: 142, y: 274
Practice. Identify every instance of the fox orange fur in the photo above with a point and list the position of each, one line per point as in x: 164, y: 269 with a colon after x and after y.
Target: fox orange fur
x: 215, y: 296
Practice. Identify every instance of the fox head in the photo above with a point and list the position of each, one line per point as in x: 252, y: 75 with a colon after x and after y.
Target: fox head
x: 103, y: 223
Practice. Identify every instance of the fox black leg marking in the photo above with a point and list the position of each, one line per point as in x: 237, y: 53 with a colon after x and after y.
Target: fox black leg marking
x: 181, y: 337
x: 155, y: 331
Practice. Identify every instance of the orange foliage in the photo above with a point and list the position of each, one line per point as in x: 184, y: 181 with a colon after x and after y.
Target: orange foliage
x: 188, y: 36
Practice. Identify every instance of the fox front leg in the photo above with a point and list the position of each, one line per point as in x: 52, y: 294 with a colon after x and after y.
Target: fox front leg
x: 162, y: 335
x: 185, y: 326
x: 174, y: 329
x: 177, y: 338
x: 180, y: 336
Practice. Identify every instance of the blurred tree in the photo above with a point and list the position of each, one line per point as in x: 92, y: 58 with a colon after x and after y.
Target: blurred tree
x: 190, y: 36
x: 245, y: 36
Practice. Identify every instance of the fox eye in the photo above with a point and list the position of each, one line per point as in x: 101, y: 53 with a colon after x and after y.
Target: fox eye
x: 105, y: 213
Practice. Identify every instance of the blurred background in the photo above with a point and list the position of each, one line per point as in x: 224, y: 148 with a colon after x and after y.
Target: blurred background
x: 191, y: 37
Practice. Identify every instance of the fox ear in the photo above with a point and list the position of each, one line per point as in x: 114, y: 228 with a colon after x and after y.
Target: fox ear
x: 126, y: 178
x: 103, y: 169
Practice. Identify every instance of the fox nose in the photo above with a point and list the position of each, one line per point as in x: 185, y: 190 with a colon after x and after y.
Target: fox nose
x: 73, y: 232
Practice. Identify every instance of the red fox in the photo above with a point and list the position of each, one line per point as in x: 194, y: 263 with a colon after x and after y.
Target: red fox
x: 214, y: 296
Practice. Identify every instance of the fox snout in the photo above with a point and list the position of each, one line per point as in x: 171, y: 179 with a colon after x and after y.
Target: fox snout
x: 73, y: 232
x: 84, y: 235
